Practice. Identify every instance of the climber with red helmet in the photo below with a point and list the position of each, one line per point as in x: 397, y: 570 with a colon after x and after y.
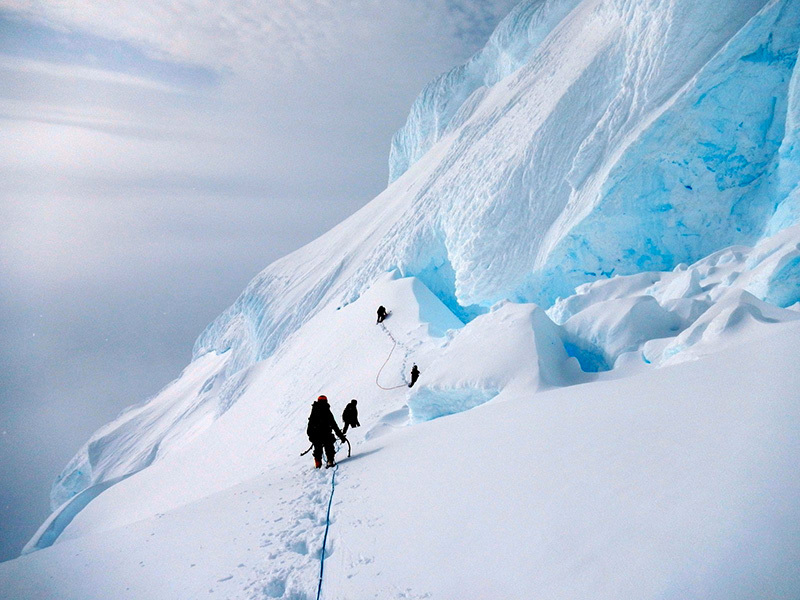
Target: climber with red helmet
x: 321, y: 426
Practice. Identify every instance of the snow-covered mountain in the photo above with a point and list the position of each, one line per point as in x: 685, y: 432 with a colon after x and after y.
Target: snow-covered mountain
x: 590, y: 245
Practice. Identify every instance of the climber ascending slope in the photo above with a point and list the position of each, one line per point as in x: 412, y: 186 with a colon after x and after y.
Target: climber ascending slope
x: 414, y: 375
x: 381, y: 314
x: 321, y: 426
x: 350, y: 415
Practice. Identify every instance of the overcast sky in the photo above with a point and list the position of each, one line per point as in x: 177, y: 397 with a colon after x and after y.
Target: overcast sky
x: 154, y: 156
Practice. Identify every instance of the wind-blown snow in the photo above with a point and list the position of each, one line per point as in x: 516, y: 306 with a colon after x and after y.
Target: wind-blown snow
x: 142, y: 433
x: 591, y: 249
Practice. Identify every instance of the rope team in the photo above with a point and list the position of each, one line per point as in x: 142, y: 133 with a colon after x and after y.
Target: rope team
x: 322, y: 425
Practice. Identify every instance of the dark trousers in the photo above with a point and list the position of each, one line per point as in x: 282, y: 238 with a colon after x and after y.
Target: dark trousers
x: 327, y: 444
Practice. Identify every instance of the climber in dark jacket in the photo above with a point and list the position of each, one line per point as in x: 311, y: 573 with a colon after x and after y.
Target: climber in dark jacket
x: 414, y: 376
x: 381, y: 314
x: 350, y: 415
x: 321, y: 426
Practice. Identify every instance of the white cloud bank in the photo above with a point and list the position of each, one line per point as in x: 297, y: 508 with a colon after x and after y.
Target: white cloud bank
x: 313, y: 86
x: 247, y: 36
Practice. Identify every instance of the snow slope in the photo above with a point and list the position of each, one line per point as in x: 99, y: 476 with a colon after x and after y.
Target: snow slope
x: 656, y: 485
x: 590, y: 247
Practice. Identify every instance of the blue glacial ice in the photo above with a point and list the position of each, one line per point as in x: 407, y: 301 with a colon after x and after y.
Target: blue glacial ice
x: 788, y: 209
x: 704, y: 174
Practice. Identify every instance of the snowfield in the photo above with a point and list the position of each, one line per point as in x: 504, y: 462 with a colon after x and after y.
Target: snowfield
x: 590, y: 246
x: 642, y: 481
x: 670, y: 482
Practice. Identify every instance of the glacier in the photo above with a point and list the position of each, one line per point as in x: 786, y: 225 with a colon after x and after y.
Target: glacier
x: 669, y: 154
x: 661, y: 137
x: 604, y: 202
x: 654, y: 479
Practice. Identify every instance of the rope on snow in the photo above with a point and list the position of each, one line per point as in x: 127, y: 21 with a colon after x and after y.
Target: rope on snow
x: 377, y: 377
x: 325, y: 537
x: 341, y: 445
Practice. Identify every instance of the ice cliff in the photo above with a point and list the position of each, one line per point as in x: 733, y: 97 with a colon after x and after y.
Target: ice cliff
x: 618, y: 137
x: 587, y: 140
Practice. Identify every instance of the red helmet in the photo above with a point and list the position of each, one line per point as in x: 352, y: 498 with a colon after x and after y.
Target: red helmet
x: 323, y: 397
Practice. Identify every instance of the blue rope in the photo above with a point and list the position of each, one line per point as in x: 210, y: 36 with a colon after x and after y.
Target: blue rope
x: 327, y: 526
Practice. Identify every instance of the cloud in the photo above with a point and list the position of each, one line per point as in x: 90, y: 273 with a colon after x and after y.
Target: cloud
x: 252, y: 36
x: 68, y: 71
x: 306, y: 87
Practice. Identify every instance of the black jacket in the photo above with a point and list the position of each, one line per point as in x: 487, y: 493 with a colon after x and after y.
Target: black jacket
x: 350, y: 415
x: 321, y: 423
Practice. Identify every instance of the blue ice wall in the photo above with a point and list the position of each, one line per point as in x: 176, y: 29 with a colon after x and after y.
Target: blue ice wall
x: 708, y: 173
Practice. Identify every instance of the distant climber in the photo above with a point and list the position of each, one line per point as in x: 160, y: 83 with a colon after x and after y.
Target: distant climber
x: 414, y: 375
x: 321, y: 426
x: 381, y: 314
x: 350, y: 416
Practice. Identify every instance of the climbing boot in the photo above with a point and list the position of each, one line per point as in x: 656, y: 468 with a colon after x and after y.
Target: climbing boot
x: 317, y: 463
x: 330, y: 464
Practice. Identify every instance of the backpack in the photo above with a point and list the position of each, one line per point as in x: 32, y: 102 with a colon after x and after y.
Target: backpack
x: 317, y: 422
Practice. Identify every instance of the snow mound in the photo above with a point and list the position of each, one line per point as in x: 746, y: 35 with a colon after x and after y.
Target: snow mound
x: 514, y: 345
x: 606, y: 330
x: 608, y: 318
x: 435, y: 315
x: 738, y: 316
